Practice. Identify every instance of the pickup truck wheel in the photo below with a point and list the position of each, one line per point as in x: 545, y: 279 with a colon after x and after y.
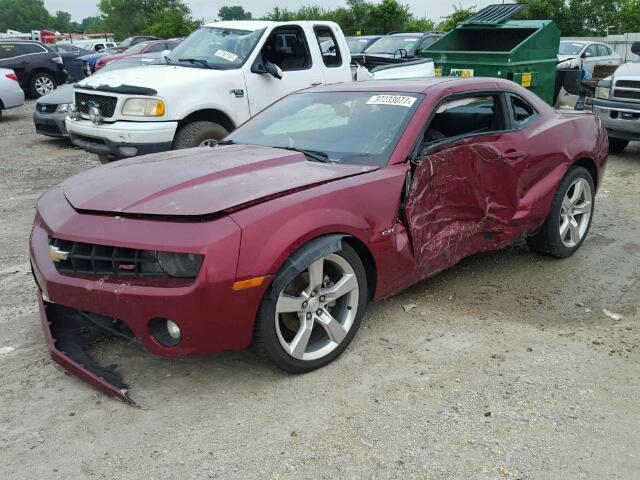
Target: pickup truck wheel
x: 41, y: 84
x: 569, y: 218
x: 312, y: 311
x: 617, y: 145
x: 197, y: 134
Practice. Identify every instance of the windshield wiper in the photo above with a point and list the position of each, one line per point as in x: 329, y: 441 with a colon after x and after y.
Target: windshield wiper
x: 221, y: 143
x: 197, y: 61
x: 313, y: 155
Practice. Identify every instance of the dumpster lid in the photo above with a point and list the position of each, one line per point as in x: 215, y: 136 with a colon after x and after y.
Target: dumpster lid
x: 494, y: 14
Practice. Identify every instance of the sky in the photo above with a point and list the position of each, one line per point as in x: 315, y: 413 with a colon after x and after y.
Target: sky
x: 208, y: 9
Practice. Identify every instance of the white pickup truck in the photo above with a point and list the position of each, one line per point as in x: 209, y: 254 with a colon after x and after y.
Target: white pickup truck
x: 215, y: 80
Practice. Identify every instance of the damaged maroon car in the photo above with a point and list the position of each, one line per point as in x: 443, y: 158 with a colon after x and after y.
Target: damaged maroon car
x: 280, y: 235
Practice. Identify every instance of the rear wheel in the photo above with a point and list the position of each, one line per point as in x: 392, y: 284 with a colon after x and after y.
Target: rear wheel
x: 569, y: 219
x: 41, y: 84
x: 199, y: 134
x: 617, y: 145
x: 315, y: 314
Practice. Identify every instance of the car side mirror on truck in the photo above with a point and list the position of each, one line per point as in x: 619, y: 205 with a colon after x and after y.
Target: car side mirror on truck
x: 635, y: 48
x: 273, y: 70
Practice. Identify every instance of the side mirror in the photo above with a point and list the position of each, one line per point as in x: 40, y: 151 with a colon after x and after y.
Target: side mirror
x: 635, y: 48
x: 273, y: 70
x: 165, y: 54
x: 585, y: 55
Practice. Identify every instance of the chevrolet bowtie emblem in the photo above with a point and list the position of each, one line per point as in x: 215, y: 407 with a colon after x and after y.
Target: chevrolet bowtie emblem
x: 57, y: 255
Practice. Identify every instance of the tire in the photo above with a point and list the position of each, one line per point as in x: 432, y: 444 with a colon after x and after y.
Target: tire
x: 196, y: 134
x: 275, y: 334
x: 617, y: 145
x: 41, y: 83
x: 574, y: 217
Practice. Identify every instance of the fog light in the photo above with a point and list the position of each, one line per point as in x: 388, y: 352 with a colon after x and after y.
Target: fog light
x: 128, y: 151
x: 166, y: 332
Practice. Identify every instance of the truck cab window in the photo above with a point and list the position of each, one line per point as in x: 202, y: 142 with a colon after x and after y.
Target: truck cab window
x: 287, y: 48
x: 328, y: 46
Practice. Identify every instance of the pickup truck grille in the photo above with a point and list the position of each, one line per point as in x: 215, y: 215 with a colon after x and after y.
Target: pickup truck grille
x: 88, y: 258
x: 106, y: 104
x: 628, y: 84
x: 627, y: 94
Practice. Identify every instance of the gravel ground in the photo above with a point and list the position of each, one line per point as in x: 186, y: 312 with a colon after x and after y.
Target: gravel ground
x: 506, y: 368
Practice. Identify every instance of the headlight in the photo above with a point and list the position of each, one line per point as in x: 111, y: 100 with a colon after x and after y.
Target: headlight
x: 72, y: 111
x: 143, y: 107
x: 63, y: 107
x: 180, y: 264
x: 603, y: 93
x: 565, y: 64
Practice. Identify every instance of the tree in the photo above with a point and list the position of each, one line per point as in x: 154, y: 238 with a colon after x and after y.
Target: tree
x: 629, y: 16
x: 459, y: 15
x: 23, y: 15
x: 235, y: 12
x: 92, y: 25
x: 170, y: 24
x: 61, y: 22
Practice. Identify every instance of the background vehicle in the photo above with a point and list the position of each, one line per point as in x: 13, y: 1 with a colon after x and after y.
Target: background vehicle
x: 51, y: 109
x: 11, y: 95
x: 131, y: 41
x: 586, y: 55
x: 617, y: 103
x: 402, y: 45
x: 89, y: 61
x: 330, y: 198
x: 68, y: 50
x: 360, y: 44
x: 155, y: 46
x: 39, y: 69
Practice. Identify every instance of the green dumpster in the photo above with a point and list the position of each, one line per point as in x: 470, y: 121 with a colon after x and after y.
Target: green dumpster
x: 488, y: 44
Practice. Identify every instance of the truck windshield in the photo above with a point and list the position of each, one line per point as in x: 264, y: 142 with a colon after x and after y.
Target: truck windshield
x: 213, y: 47
x: 391, y: 44
x: 359, y: 128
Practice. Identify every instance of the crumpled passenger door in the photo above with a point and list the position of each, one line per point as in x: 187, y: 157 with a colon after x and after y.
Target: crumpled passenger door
x: 459, y: 195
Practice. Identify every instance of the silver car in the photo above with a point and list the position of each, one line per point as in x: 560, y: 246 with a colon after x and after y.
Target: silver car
x: 11, y: 95
x: 574, y: 54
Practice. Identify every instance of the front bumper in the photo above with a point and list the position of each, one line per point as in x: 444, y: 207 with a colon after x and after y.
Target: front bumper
x: 212, y: 316
x: 621, y: 119
x: 51, y: 124
x: 122, y: 139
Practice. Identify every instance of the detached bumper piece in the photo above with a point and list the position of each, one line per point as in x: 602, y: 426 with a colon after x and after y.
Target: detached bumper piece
x: 70, y: 333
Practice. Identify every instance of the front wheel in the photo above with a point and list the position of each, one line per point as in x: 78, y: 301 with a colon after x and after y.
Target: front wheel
x: 566, y: 227
x: 617, y: 145
x: 315, y: 312
x: 41, y: 84
x: 199, y: 134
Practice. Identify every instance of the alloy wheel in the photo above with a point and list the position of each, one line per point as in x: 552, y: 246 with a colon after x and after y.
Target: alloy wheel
x: 316, y: 310
x: 575, y: 213
x: 44, y: 85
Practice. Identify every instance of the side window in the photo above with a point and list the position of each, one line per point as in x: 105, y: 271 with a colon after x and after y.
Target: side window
x: 331, y: 55
x: 603, y: 51
x: 98, y: 47
x: 287, y: 48
x: 158, y: 47
x: 468, y: 115
x: 592, y: 50
x: 29, y: 48
x: 522, y: 112
x: 8, y: 50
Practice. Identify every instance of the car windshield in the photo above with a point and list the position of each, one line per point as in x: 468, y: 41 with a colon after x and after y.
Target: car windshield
x: 357, y: 45
x: 348, y: 127
x: 570, y: 48
x: 213, y: 47
x: 127, y: 42
x: 392, y: 43
x: 137, y: 48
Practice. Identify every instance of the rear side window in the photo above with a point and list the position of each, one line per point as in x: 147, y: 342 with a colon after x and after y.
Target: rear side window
x: 9, y: 50
x: 331, y: 55
x: 29, y: 48
x: 463, y: 116
x: 521, y: 110
x: 603, y: 51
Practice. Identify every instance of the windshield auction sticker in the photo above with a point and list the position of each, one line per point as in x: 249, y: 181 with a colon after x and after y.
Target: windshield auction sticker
x: 399, y: 100
x: 228, y: 56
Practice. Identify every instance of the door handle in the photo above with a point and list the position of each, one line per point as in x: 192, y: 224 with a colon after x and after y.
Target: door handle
x: 315, y: 84
x: 513, y: 154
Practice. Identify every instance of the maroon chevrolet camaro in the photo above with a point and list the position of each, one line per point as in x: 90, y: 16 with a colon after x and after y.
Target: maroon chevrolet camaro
x: 278, y: 236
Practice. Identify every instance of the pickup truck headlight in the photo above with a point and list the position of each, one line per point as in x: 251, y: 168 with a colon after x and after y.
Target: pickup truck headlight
x: 180, y: 264
x: 603, y: 90
x: 143, y: 107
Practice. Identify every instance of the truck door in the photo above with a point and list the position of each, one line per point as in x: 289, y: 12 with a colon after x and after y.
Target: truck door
x: 334, y: 53
x: 290, y: 49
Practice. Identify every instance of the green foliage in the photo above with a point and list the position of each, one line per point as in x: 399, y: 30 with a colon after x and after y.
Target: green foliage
x: 170, y: 24
x: 234, y: 12
x: 23, y: 15
x: 459, y: 15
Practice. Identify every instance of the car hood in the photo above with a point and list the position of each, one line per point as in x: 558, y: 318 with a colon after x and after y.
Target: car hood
x: 163, y: 78
x: 562, y: 58
x: 62, y: 94
x: 631, y: 69
x: 199, y: 181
